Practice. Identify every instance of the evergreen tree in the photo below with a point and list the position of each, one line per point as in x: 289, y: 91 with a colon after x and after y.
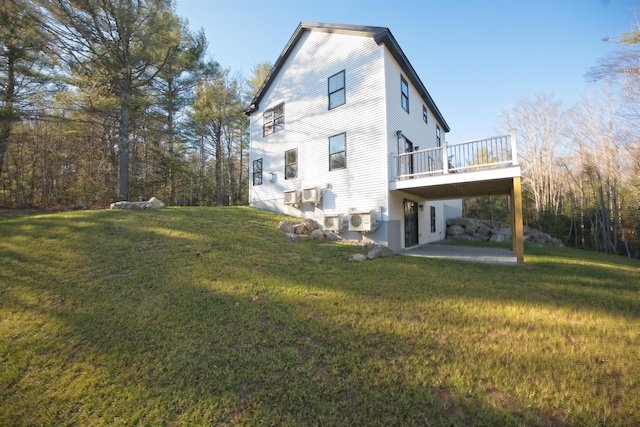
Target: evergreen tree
x: 25, y: 67
x: 129, y: 41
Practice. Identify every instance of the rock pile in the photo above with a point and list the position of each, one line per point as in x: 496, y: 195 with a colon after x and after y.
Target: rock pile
x: 304, y: 231
x: 309, y: 230
x: 152, y: 203
x: 495, y: 231
x: 78, y: 207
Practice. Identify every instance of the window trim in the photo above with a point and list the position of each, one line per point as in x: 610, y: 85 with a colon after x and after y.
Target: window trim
x: 404, y: 96
x: 438, y: 137
x: 425, y: 114
x: 344, y: 150
x: 272, y: 123
x: 343, y: 89
x: 287, y: 166
x: 255, y: 163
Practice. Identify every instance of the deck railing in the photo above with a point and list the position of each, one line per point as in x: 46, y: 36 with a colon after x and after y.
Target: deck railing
x: 481, y: 154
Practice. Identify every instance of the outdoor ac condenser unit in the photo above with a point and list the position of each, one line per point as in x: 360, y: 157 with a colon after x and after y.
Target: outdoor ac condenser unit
x: 363, y: 221
x: 311, y: 195
x: 292, y: 197
x: 334, y: 222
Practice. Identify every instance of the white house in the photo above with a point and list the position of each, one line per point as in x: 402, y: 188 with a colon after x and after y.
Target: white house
x: 344, y: 132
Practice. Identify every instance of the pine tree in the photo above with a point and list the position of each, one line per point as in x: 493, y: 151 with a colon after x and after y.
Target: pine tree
x: 130, y: 41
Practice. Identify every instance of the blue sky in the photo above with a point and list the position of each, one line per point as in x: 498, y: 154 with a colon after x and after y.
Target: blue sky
x: 475, y: 58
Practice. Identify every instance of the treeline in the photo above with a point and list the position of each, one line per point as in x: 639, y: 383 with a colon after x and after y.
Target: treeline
x: 581, y: 163
x: 105, y: 100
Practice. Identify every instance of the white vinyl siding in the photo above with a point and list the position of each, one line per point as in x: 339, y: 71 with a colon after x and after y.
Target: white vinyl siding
x: 302, y: 86
x: 421, y: 134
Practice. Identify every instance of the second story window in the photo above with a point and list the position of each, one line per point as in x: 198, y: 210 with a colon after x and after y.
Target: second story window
x: 404, y: 88
x: 338, y: 152
x: 273, y: 120
x: 425, y: 114
x: 257, y: 172
x: 438, y: 140
x: 336, y: 90
x: 291, y: 164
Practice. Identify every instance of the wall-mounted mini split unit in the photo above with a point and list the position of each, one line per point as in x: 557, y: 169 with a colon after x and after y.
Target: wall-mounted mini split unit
x: 312, y: 195
x: 334, y: 222
x: 363, y: 221
x: 292, y: 197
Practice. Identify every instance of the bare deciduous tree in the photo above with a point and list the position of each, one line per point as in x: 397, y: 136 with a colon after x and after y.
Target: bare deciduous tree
x: 540, y: 123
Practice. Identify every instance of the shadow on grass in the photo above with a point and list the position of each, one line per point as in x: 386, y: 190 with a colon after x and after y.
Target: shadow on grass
x: 185, y: 318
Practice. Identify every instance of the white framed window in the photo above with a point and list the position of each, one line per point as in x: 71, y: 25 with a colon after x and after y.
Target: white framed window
x: 404, y: 90
x: 425, y: 114
x: 337, y: 90
x: 338, y: 151
x: 291, y: 164
x: 273, y: 120
x: 257, y: 172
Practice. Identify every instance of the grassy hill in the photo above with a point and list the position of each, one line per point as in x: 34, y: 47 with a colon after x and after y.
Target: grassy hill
x: 210, y: 316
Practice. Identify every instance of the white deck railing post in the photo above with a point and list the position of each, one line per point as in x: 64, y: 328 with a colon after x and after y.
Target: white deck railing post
x: 514, y: 147
x: 396, y: 167
x: 445, y: 158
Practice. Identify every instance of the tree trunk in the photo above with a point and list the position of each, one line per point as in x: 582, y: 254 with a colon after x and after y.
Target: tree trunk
x: 123, y: 145
x: 241, y: 171
x: 6, y: 116
x: 218, y: 168
x: 229, y: 170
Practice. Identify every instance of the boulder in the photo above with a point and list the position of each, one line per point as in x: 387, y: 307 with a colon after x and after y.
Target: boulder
x: 469, y: 224
x: 78, y: 207
x: 380, y: 252
x: 292, y: 237
x: 332, y: 236
x: 472, y: 226
x: 310, y: 225
x: 153, y: 203
x: 483, y: 230
x: 482, y: 237
x: 316, y: 235
x: 358, y: 257
x: 500, y: 235
x: 455, y: 230
x: 286, y: 227
x: 299, y: 229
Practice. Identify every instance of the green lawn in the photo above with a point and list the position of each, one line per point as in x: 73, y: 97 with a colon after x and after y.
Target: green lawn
x: 210, y: 316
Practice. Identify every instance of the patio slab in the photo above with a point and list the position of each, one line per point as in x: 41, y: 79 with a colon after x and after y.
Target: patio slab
x: 463, y: 253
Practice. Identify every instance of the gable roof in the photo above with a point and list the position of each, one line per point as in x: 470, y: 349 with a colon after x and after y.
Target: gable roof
x: 379, y: 34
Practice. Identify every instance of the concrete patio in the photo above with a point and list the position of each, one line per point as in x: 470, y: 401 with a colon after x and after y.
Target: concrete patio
x: 463, y: 253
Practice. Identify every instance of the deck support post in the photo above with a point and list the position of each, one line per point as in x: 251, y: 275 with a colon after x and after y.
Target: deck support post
x: 517, y: 239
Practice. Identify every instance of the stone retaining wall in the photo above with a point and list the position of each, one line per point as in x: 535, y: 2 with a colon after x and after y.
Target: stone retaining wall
x: 495, y: 231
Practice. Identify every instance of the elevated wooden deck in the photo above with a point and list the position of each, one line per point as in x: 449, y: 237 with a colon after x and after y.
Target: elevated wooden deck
x: 483, y: 167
